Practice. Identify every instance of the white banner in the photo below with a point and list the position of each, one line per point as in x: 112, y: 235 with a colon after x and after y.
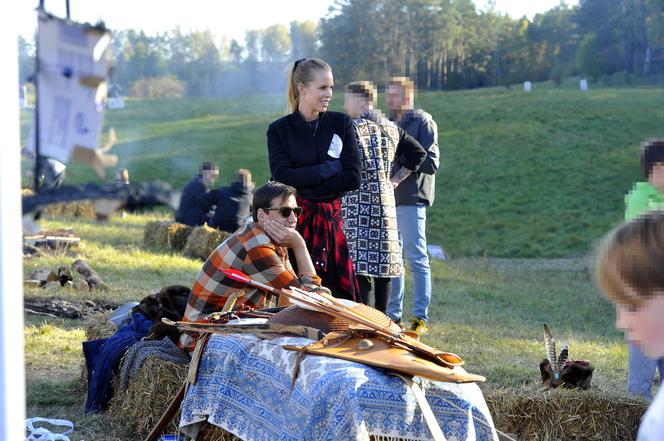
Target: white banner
x: 74, y: 63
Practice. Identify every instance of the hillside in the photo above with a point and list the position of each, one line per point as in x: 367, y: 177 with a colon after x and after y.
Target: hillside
x: 522, y: 175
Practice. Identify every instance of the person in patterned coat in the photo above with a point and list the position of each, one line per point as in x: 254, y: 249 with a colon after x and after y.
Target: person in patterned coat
x: 258, y: 249
x: 369, y: 213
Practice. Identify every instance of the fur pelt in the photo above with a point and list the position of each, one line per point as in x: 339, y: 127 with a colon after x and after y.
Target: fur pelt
x: 574, y: 374
x: 169, y: 302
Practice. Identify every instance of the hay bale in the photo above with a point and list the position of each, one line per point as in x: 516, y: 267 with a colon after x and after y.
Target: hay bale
x: 155, y: 234
x: 77, y: 209
x: 96, y: 326
x: 203, y: 240
x: 566, y: 414
x: 80, y: 209
x: 178, y: 235
x: 214, y: 433
x: 148, y: 395
x: 99, y: 326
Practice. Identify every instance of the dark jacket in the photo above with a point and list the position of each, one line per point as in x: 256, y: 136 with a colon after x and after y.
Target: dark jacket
x: 298, y: 155
x: 195, y: 202
x: 233, y: 207
x: 419, y: 188
x: 102, y: 360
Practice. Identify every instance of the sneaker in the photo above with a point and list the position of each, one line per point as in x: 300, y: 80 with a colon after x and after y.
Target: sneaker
x: 419, y: 325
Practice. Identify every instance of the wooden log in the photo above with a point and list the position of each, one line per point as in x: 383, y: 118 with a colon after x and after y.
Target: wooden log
x: 90, y: 275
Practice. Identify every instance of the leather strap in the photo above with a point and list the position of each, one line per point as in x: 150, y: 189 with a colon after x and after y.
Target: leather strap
x: 427, y: 413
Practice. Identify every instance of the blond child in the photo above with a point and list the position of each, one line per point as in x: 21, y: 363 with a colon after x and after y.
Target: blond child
x: 630, y: 272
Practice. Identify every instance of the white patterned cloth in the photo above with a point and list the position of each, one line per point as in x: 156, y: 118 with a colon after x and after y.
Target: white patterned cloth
x: 369, y: 213
x: 244, y: 386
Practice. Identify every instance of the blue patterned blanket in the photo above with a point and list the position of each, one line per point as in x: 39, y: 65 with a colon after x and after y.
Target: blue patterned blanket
x: 244, y: 386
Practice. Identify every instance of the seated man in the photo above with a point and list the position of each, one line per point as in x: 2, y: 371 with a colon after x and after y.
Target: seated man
x: 197, y: 199
x: 260, y: 250
x: 234, y: 204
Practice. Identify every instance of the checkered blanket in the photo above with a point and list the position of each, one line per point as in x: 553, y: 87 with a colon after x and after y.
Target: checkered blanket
x: 245, y: 386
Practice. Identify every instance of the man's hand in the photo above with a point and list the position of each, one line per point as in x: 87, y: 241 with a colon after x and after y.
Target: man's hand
x: 282, y: 235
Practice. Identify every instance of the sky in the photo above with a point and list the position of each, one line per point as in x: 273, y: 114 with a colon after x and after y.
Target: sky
x: 230, y: 18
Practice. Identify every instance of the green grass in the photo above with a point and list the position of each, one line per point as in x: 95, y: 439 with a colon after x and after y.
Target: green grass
x: 116, y: 252
x: 522, y: 175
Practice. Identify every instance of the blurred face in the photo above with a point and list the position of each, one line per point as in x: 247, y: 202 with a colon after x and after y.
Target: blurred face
x: 354, y: 104
x: 644, y: 324
x: 395, y: 98
x: 210, y: 176
x: 316, y: 95
x: 289, y: 221
x: 657, y: 176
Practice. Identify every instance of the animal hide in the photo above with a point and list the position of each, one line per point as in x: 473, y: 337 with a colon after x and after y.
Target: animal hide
x: 574, y: 374
x: 169, y: 302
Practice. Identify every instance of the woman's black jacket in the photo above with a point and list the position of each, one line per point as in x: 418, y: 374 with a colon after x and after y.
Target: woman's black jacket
x: 298, y: 155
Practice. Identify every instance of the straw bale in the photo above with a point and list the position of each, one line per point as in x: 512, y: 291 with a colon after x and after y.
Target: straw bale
x: 148, y: 395
x: 178, y: 235
x: 214, y: 433
x: 203, y: 240
x: 78, y: 209
x: 98, y: 326
x: 95, y: 326
x: 155, y: 234
x: 566, y: 414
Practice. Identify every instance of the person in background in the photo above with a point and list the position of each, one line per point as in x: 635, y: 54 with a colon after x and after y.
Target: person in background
x: 234, y: 204
x: 315, y: 151
x: 122, y: 177
x: 645, y: 196
x: 629, y: 272
x: 369, y: 213
x: 198, y: 197
x: 413, y: 196
x: 258, y: 249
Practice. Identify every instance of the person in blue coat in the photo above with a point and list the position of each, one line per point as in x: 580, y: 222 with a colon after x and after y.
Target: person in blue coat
x: 234, y: 204
x: 197, y: 197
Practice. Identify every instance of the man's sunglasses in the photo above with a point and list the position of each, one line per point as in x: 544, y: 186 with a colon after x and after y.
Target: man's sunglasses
x: 286, y: 211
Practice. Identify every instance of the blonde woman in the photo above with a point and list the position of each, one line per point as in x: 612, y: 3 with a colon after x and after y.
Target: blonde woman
x: 315, y: 151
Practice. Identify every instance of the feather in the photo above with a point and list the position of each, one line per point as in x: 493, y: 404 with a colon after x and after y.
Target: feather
x: 550, y: 346
x: 562, y: 358
x: 546, y: 372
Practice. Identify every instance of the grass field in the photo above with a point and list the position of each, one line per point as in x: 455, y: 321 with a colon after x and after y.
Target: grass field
x: 522, y: 175
x: 527, y: 184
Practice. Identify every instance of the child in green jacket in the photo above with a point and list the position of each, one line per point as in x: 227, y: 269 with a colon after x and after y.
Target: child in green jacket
x: 645, y: 197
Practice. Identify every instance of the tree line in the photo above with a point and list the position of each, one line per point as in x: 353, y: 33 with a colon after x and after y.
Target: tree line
x: 441, y: 44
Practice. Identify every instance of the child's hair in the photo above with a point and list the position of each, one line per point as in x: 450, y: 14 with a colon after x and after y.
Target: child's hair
x: 365, y: 89
x: 652, y: 153
x: 630, y: 260
x: 302, y: 72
